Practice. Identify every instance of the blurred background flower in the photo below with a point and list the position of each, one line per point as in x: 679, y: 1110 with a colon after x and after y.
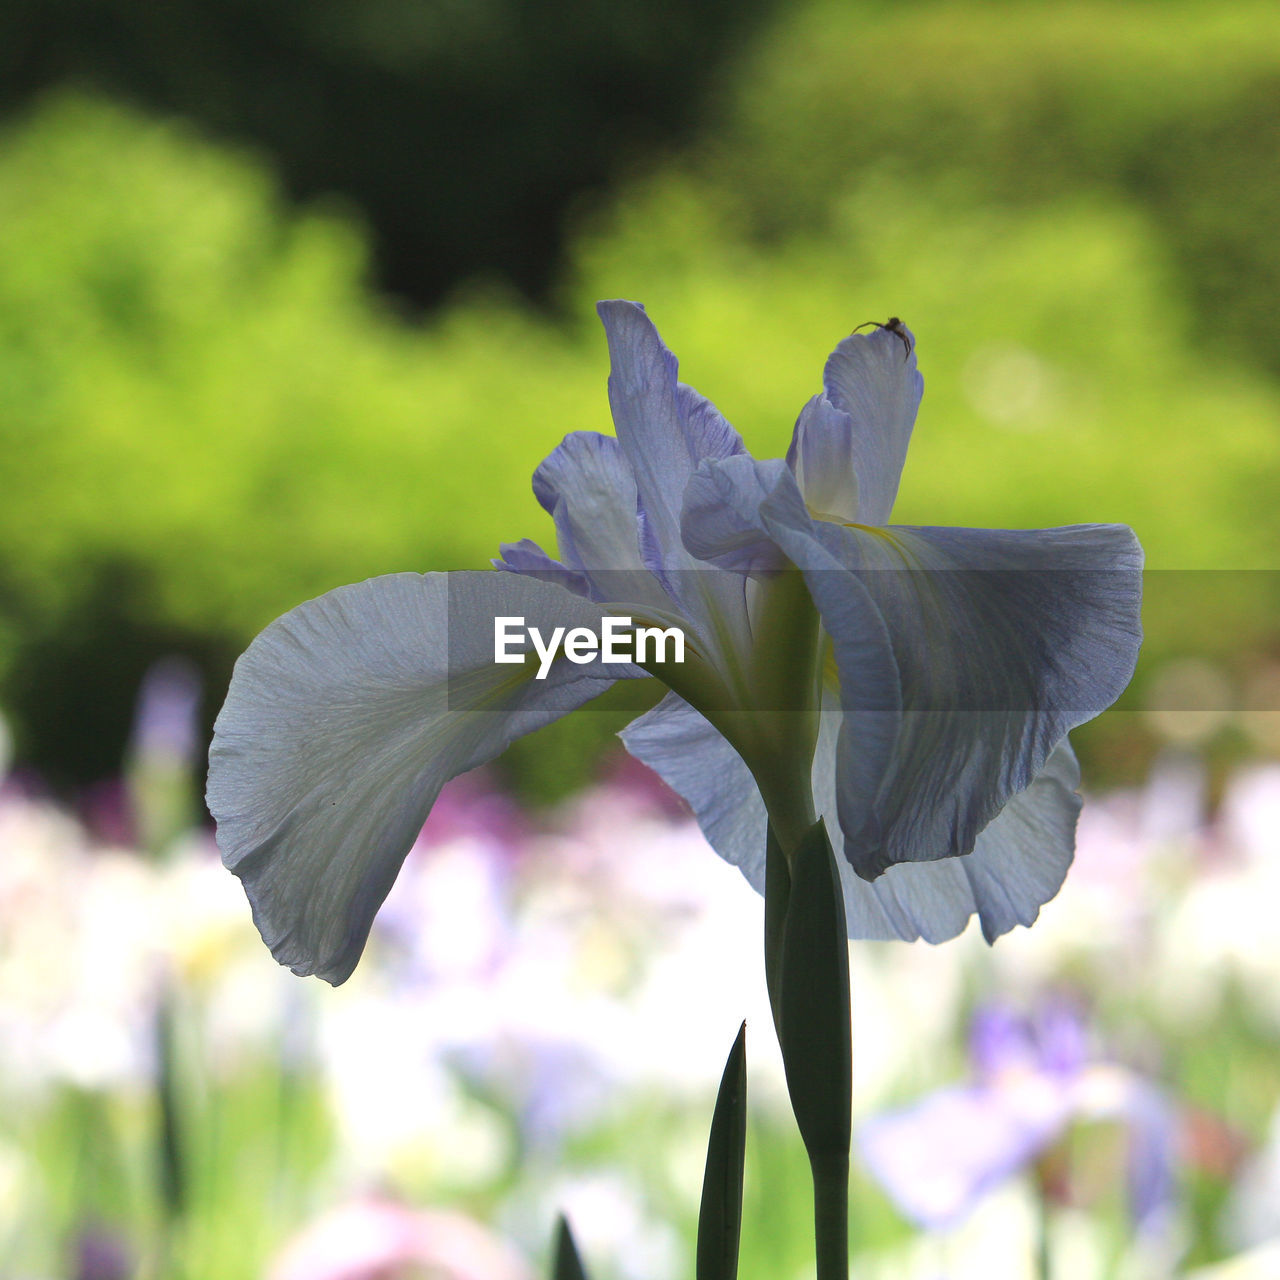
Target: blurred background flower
x: 272, y: 271
x: 377, y: 1239
x: 1033, y: 1077
x: 1102, y: 1087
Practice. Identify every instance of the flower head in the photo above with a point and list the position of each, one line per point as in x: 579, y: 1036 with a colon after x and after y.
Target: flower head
x: 914, y: 686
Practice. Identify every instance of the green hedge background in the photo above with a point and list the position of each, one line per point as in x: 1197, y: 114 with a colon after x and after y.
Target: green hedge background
x: 209, y: 410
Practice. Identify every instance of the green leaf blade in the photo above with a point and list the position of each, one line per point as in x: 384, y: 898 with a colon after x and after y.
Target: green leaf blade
x: 566, y: 1264
x: 720, y: 1214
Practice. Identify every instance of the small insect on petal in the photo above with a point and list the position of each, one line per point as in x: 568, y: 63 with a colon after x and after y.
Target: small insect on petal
x: 894, y: 326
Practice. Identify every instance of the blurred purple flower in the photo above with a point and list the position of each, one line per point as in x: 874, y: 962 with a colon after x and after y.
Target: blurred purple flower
x: 938, y: 1157
x: 162, y: 753
x: 100, y: 1254
x: 165, y: 725
x: 448, y: 916
x: 470, y: 805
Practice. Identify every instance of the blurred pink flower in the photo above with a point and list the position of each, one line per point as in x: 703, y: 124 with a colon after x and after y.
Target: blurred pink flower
x: 376, y: 1239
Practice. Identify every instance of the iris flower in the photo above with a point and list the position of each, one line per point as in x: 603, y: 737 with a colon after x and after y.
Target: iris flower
x: 912, y: 686
x: 939, y: 1157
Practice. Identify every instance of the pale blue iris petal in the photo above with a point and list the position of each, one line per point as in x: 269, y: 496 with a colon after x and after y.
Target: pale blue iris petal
x: 720, y: 520
x: 1018, y: 865
x: 1022, y: 856
x: 527, y: 558
x: 872, y: 378
x: 695, y: 761
x: 1004, y: 641
x: 870, y: 912
x: 653, y: 558
x: 964, y: 656
x: 587, y: 486
x: 665, y: 429
x: 766, y: 493
x: 822, y: 456
x: 344, y: 719
x: 870, y: 685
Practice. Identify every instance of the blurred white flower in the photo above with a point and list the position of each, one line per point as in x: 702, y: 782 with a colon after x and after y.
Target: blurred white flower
x: 1250, y: 814
x: 579, y: 955
x: 1222, y: 928
x: 77, y: 953
x: 400, y: 1114
x: 92, y: 935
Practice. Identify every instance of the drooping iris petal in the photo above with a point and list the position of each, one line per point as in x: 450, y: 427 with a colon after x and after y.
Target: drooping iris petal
x: 998, y: 643
x: 1017, y: 865
x: 1021, y: 858
x: 873, y: 378
x: 344, y: 719
x: 694, y: 759
x: 821, y: 456
x: 1019, y: 861
x: 1003, y: 640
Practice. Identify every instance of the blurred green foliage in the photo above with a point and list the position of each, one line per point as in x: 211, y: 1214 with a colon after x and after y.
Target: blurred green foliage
x: 208, y: 419
x: 463, y: 130
x: 1170, y: 108
x: 208, y: 416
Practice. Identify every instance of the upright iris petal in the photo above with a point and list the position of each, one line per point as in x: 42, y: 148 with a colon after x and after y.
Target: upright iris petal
x: 874, y: 379
x: 913, y: 686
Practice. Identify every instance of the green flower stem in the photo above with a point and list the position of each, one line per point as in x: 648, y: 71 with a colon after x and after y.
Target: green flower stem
x: 770, y: 711
x: 807, y: 967
x: 791, y: 814
x: 831, y: 1215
